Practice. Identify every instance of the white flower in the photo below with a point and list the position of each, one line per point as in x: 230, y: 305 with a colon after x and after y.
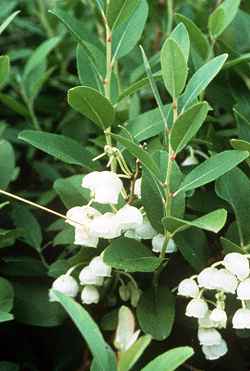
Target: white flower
x: 137, y: 189
x: 105, y: 186
x: 219, y: 317
x: 143, y: 231
x: 125, y: 335
x: 100, y: 268
x: 106, y: 226
x: 66, y: 284
x: 88, y: 277
x: 129, y: 217
x: 243, y: 290
x: 225, y: 281
x: 197, y: 308
x: 206, y: 321
x: 241, y: 319
x: 209, y: 336
x: 158, y: 243
x: 190, y: 160
x: 90, y: 295
x: 206, y: 278
x: 237, y: 264
x: 213, y: 352
x: 188, y: 288
x: 81, y: 218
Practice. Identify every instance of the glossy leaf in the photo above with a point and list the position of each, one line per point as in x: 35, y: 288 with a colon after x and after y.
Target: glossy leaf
x: 131, y: 256
x: 90, y: 103
x: 119, y: 11
x: 180, y: 35
x: 130, y: 357
x: 7, y: 21
x: 222, y: 16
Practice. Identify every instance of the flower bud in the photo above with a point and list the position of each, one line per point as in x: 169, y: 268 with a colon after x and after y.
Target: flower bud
x: 66, y: 284
x: 209, y: 336
x: 125, y: 335
x: 188, y: 288
x: 129, y: 217
x: 124, y: 292
x: 213, y: 352
x: 90, y: 295
x: 241, y: 319
x: 158, y: 243
x: 197, y: 308
x: 99, y: 267
x: 219, y: 317
x: 237, y: 264
x: 243, y: 290
x: 88, y: 277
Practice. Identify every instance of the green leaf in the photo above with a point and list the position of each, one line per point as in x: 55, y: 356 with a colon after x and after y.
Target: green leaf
x: 88, y: 329
x: 234, y: 187
x: 4, y: 68
x: 181, y: 37
x: 222, y: 16
x: 212, y: 222
x: 8, y: 21
x: 170, y: 360
x: 71, y: 192
x: 174, y: 67
x: 25, y: 220
x: 7, y: 163
x: 119, y: 11
x: 5, y: 316
x: 126, y: 36
x: 40, y: 55
x: 131, y: 256
x: 187, y: 125
x: 59, y: 146
x: 6, y: 295
x: 139, y: 153
x: 90, y: 103
x: 244, y: 58
x: 14, y: 105
x: 229, y: 246
x: 130, y: 357
x: 211, y: 169
x: 201, y: 79
x: 241, y: 145
x: 156, y: 312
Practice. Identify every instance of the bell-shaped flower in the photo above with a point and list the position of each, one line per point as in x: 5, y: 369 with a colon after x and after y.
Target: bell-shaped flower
x: 100, y: 268
x: 241, y: 319
x: 106, y: 226
x: 125, y: 335
x: 206, y: 321
x: 85, y: 238
x: 225, y: 281
x: 188, y: 288
x: 90, y: 295
x: 67, y: 285
x: 219, y: 317
x: 88, y: 277
x: 137, y: 188
x: 237, y: 264
x: 243, y: 290
x: 197, y: 308
x: 104, y: 185
x: 158, y: 243
x: 143, y: 231
x: 129, y: 217
x: 190, y: 160
x: 206, y: 278
x: 209, y: 336
x: 213, y: 352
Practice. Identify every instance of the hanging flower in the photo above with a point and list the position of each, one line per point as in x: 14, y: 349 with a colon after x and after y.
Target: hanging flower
x: 100, y: 268
x: 213, y: 352
x: 129, y: 217
x: 241, y: 319
x: 67, y: 285
x: 225, y: 281
x: 197, y: 308
x: 90, y: 295
x: 188, y: 288
x: 219, y: 317
x: 206, y: 278
x: 243, y: 290
x: 88, y: 277
x: 237, y: 264
x: 106, y: 226
x: 104, y: 185
x: 125, y: 335
x: 158, y: 243
x: 209, y: 336
x: 143, y: 231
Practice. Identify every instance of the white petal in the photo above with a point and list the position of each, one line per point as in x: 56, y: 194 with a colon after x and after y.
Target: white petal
x: 214, y: 352
x: 188, y: 288
x: 209, y: 336
x: 158, y: 242
x: 84, y: 238
x: 129, y: 217
x: 189, y: 161
x: 88, y: 277
x: 81, y: 215
x: 206, y: 278
x: 243, y: 290
x: 206, y: 321
x: 197, y: 308
x: 66, y: 284
x: 137, y: 189
x: 145, y: 231
x: 90, y: 295
x: 219, y: 317
x: 100, y: 268
x: 106, y: 226
x: 241, y: 319
x: 225, y: 281
x: 237, y: 264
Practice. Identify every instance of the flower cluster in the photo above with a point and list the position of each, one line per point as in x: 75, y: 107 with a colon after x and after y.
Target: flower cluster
x: 230, y: 276
x: 91, y: 277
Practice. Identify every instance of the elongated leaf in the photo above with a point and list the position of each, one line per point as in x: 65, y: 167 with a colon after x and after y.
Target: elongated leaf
x: 234, y: 187
x: 8, y: 21
x: 40, y: 54
x: 71, y: 192
x: 90, y: 103
x: 4, y: 68
x: 244, y: 58
x: 213, y: 222
x: 180, y: 35
x: 119, y: 11
x: 63, y: 148
x: 156, y: 311
x: 7, y: 163
x: 129, y: 358
x: 5, y: 316
x: 139, y: 153
x: 126, y: 36
x: 222, y: 16
x: 211, y: 169
x: 187, y: 125
x: 131, y: 256
x: 14, y: 105
x: 201, y: 79
x: 6, y: 295
x: 170, y: 360
x: 174, y: 67
x: 88, y: 328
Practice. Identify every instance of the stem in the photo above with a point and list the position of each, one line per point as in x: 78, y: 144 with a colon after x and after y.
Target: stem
x: 170, y: 14
x: 30, y: 107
